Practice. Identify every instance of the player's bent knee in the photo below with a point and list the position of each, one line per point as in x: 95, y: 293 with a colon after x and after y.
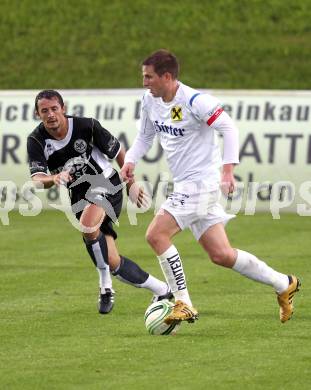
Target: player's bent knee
x: 150, y: 237
x: 154, y: 239
x: 222, y: 257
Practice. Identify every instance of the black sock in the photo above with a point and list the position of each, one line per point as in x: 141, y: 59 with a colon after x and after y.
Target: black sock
x: 130, y: 272
x: 98, y: 251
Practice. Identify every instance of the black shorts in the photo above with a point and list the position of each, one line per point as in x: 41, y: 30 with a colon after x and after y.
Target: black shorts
x: 78, y: 193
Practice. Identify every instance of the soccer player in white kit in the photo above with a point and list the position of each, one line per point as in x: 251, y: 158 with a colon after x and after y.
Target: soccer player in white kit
x: 185, y: 121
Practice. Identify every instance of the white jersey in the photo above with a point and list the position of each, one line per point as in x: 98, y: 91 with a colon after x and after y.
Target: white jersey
x: 185, y: 128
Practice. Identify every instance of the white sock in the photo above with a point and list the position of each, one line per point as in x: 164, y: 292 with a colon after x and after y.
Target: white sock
x: 248, y: 265
x: 104, y: 279
x: 172, y: 268
x: 155, y: 285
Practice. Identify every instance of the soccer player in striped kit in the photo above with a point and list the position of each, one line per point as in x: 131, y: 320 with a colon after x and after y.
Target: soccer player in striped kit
x: 75, y: 152
x: 185, y: 122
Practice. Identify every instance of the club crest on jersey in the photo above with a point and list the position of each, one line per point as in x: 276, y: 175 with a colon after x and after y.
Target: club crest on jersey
x: 49, y: 149
x: 80, y: 145
x: 176, y: 113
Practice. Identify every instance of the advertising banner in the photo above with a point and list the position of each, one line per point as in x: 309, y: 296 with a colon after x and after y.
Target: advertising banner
x: 275, y: 145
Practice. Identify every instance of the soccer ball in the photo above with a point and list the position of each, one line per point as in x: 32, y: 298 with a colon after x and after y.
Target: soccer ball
x: 154, y: 318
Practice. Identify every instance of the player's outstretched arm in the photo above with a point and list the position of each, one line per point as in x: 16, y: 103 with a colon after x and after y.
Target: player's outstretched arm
x: 50, y: 180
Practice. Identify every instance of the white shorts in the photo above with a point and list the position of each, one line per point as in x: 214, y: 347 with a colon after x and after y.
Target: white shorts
x: 195, y: 206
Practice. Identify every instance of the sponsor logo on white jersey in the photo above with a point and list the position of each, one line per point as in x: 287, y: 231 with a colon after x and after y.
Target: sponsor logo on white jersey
x: 162, y: 128
x: 176, y: 113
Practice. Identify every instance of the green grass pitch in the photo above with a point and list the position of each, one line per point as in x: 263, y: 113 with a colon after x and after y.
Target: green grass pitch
x: 53, y: 338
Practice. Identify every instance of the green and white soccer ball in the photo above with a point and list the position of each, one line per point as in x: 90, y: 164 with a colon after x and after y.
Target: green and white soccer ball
x: 154, y: 318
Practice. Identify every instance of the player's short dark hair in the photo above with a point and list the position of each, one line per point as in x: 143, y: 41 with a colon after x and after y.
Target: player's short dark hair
x: 163, y: 61
x: 49, y: 94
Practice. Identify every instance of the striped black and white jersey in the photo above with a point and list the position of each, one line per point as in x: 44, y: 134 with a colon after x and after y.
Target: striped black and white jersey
x: 86, y: 149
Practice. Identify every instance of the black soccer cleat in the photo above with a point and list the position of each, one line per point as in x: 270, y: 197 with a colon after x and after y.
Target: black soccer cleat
x: 169, y: 296
x: 105, y: 301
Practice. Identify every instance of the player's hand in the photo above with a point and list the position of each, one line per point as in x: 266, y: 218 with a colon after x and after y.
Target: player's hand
x: 227, y: 184
x: 62, y: 178
x: 137, y: 195
x: 127, y: 172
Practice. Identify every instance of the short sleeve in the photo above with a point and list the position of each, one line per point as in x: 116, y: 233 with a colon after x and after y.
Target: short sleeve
x: 105, y: 141
x: 36, y: 158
